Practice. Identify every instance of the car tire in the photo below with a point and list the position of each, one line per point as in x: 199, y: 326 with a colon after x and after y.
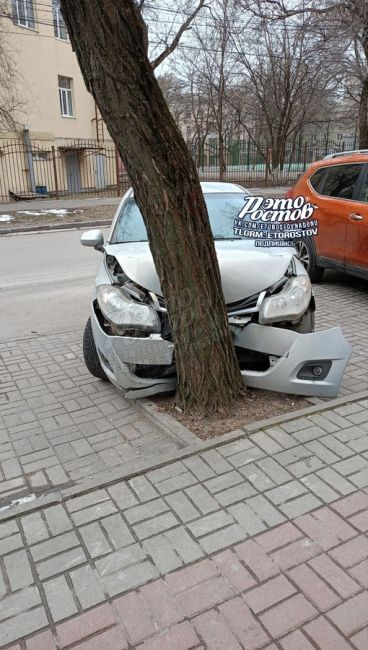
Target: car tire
x: 308, y: 257
x: 90, y: 353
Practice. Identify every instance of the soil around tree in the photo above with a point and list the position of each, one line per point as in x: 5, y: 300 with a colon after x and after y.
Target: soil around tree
x: 256, y: 405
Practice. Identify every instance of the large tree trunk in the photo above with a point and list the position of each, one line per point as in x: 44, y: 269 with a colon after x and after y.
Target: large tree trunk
x: 109, y: 38
x: 363, y: 116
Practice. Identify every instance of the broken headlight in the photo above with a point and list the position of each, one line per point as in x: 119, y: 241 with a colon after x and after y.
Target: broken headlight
x: 289, y: 304
x: 120, y: 309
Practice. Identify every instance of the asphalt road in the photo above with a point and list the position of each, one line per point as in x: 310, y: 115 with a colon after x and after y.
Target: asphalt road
x: 46, y: 283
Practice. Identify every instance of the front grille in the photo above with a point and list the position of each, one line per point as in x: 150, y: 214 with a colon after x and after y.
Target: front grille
x: 245, y: 303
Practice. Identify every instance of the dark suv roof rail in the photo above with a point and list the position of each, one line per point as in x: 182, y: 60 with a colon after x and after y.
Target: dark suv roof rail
x: 344, y: 153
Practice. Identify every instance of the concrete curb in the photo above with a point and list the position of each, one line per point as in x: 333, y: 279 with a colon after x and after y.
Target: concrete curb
x: 166, y: 423
x: 130, y: 470
x: 75, y: 225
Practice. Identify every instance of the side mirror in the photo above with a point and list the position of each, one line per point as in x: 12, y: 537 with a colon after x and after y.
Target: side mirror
x: 93, y: 238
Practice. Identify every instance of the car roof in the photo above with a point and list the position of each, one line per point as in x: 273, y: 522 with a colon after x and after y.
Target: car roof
x: 343, y: 159
x: 212, y: 187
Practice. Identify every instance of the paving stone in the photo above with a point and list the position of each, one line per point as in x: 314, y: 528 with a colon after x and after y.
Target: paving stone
x: 285, y: 492
x: 265, y: 511
x: 352, y: 552
x: 217, y: 462
x: 325, y: 635
x: 191, y: 576
x: 274, y: 591
x: 248, y: 520
x: 34, y: 528
x: 360, y: 639
x: 262, y: 440
x: 254, y: 557
x: 162, y: 554
x: 180, y: 637
x: 131, y: 577
x: 234, y: 494
x: 276, y: 473
x: 278, y: 537
x: 44, y: 640
x: 176, y: 483
x: 161, y: 604
x: 19, y: 602
x: 313, y: 588
x: 60, y: 563
x: 22, y: 625
x: 135, y: 616
x: 338, y: 482
x: 295, y: 553
x: 11, y: 543
x: 94, y: 512
x: 199, y: 468
x: 319, y: 488
x: 123, y: 496
x: 143, y: 488
x: 351, y: 615
x: 222, y: 538
x: 316, y: 531
x: 258, y: 478
x: 146, y: 511
x: 229, y: 565
x: 243, y: 624
x: 120, y: 559
x: 59, y: 598
x: 338, y: 579
x: 57, y: 520
x: 155, y: 525
x: 85, y: 625
x: 87, y: 587
x: 215, y: 632
x: 95, y: 540
x: 204, y: 596
x: 117, y: 531
x: 54, y: 546
x: 210, y: 523
x: 288, y: 615
x: 183, y: 544
x: 18, y: 570
x: 299, y: 506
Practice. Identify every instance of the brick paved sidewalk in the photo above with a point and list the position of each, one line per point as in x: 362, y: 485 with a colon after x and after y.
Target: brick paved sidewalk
x: 258, y: 543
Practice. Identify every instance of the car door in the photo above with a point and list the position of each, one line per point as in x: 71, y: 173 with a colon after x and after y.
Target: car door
x: 334, y: 200
x: 357, y: 229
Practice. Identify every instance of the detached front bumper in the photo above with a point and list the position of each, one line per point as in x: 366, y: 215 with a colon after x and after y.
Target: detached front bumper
x: 295, y: 359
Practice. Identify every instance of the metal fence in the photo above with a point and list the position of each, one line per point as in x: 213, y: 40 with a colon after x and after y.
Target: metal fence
x: 257, y: 165
x: 74, y: 168
x: 91, y: 168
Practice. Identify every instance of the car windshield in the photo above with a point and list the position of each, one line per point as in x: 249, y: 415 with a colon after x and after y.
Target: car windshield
x: 222, y: 210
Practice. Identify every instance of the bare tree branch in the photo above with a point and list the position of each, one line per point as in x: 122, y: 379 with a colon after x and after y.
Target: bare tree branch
x: 175, y: 42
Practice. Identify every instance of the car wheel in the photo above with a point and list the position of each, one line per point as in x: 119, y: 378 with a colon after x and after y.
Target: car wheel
x: 308, y: 257
x: 90, y: 353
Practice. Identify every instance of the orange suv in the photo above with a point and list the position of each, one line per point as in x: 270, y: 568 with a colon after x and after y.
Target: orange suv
x: 337, y: 186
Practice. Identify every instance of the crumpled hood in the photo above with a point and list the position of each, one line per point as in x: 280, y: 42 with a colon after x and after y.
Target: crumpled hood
x: 245, y: 269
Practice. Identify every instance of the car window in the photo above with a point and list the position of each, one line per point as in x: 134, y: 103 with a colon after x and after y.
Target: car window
x: 222, y: 210
x: 316, y: 180
x: 341, y: 181
x: 364, y: 190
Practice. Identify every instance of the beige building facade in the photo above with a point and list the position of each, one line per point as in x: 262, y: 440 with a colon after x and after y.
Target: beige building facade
x: 59, y: 132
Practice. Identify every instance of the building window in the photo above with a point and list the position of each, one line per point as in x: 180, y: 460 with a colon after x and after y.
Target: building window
x: 23, y: 14
x: 59, y: 25
x: 66, y: 97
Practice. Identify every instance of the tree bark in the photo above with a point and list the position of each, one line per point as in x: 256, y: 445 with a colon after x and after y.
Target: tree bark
x: 363, y: 116
x: 108, y: 38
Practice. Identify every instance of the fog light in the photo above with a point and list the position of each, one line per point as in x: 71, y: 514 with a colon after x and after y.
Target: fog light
x: 317, y: 371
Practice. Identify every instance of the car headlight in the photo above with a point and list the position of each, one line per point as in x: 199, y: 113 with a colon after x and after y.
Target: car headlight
x: 289, y: 304
x: 117, y: 306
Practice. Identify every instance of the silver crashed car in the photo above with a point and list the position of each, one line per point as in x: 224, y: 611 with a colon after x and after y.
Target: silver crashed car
x: 268, y: 297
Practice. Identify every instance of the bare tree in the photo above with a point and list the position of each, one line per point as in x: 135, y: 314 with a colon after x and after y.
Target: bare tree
x: 345, y: 26
x: 109, y: 40
x: 287, y: 78
x: 10, y: 103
